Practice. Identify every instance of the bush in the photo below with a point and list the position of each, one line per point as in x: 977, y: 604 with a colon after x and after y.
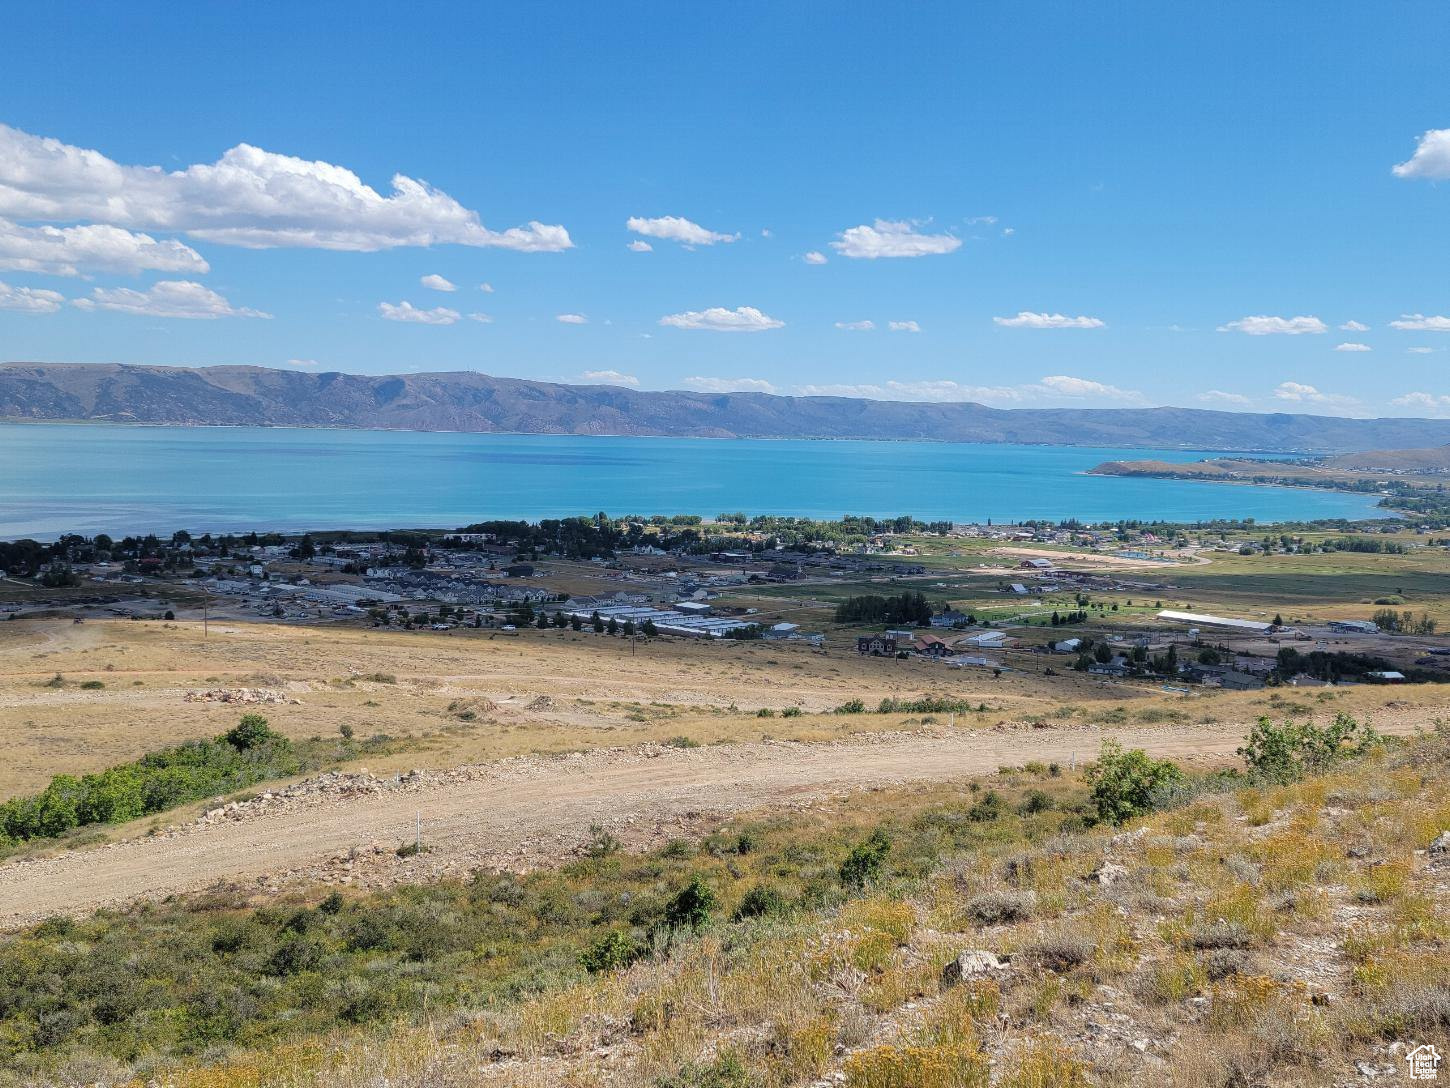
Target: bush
x: 864, y: 863
x: 691, y: 906
x: 1124, y: 782
x: 761, y: 901
x: 1284, y: 753
x: 999, y: 908
x: 608, y: 953
x: 251, y: 732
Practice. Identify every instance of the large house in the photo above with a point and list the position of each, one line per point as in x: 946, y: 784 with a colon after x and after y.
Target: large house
x: 932, y: 646
x: 876, y: 646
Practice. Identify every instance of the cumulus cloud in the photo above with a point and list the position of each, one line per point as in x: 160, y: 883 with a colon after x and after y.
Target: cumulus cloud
x: 29, y: 300
x: 903, y: 326
x: 719, y: 319
x: 249, y: 197
x: 1433, y: 403
x: 886, y: 238
x: 672, y: 228
x: 728, y: 385
x: 435, y: 282
x: 1300, y: 393
x: 303, y: 364
x: 640, y: 246
x: 482, y: 319
x: 1354, y: 326
x: 1352, y: 347
x: 1431, y: 158
x: 486, y: 288
x: 166, y: 298
x: 1421, y: 323
x: 856, y: 326
x: 815, y: 256
x: 571, y: 319
x: 75, y: 251
x: 1264, y: 325
x: 407, y: 312
x: 1420, y: 351
x: 1218, y: 396
x: 1026, y: 319
x: 607, y: 377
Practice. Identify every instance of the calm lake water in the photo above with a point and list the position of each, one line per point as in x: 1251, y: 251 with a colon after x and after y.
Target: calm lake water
x: 57, y: 478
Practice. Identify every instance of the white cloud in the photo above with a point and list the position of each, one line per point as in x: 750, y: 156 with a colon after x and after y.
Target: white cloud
x: 486, y: 288
x: 1352, y: 347
x: 903, y: 326
x: 892, y: 239
x: 1431, y: 158
x: 1420, y: 351
x: 29, y: 300
x: 1026, y: 319
x: 815, y: 256
x: 1434, y: 403
x: 1007, y: 232
x: 856, y: 326
x: 1298, y: 392
x: 640, y: 246
x: 75, y: 251
x: 1218, y: 396
x: 1354, y: 326
x: 435, y: 282
x: 166, y: 298
x: 1058, y: 387
x: 728, y: 385
x: 482, y: 319
x: 607, y: 377
x: 406, y: 311
x: 766, y: 232
x: 303, y: 364
x: 719, y: 319
x: 671, y: 228
x: 249, y: 197
x: 1264, y: 325
x: 1421, y: 323
x: 989, y: 220
x: 571, y: 319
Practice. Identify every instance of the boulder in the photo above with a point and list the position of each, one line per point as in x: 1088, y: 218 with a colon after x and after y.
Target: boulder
x: 1441, y: 845
x: 972, y: 964
x: 1108, y: 873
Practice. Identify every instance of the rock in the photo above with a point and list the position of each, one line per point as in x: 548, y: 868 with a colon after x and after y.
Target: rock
x: 1140, y: 1045
x: 1108, y: 873
x: 973, y: 963
x: 1441, y: 845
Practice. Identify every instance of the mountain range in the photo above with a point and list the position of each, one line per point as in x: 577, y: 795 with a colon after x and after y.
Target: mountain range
x: 471, y: 401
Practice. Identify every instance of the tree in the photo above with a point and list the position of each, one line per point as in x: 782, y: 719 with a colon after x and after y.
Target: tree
x: 613, y: 626
x: 648, y: 629
x: 596, y: 623
x: 1124, y: 781
x: 542, y: 622
x: 251, y: 732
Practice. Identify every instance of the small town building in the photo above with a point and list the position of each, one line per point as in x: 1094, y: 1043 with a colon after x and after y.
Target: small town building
x: 876, y: 646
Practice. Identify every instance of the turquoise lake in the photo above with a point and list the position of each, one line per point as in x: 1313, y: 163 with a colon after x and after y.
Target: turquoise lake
x: 58, y: 478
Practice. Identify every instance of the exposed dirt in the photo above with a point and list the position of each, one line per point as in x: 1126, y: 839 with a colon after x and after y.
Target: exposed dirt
x: 522, y: 812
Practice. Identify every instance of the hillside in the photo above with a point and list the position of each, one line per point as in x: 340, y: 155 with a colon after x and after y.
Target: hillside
x: 470, y: 401
x: 1436, y: 460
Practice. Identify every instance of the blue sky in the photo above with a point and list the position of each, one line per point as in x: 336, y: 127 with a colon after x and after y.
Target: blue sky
x: 1056, y: 204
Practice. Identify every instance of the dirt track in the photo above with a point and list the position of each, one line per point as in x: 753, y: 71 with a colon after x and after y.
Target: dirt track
x: 523, y: 813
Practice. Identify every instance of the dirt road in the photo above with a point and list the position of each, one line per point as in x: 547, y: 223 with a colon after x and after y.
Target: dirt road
x: 520, y: 812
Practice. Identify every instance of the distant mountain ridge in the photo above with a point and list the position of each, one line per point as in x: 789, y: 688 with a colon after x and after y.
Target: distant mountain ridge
x: 470, y: 401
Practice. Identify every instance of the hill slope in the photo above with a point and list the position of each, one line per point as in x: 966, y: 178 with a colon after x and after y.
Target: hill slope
x: 470, y: 401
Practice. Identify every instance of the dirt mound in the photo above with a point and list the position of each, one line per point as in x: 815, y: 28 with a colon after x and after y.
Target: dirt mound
x: 539, y: 702
x: 473, y: 707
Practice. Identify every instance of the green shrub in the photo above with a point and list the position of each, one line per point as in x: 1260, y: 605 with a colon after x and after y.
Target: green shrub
x: 1124, y: 782
x: 761, y: 901
x: 1284, y: 753
x: 609, y: 952
x: 691, y: 906
x: 865, y: 862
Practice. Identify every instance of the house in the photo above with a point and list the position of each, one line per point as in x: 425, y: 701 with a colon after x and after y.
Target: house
x: 901, y: 634
x: 1239, y: 681
x: 780, y: 631
x: 951, y: 619
x: 876, y: 646
x: 1304, y: 680
x: 1035, y: 564
x: 1067, y: 645
x: 932, y: 646
x: 1387, y: 677
x: 1118, y: 666
x: 1018, y: 588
